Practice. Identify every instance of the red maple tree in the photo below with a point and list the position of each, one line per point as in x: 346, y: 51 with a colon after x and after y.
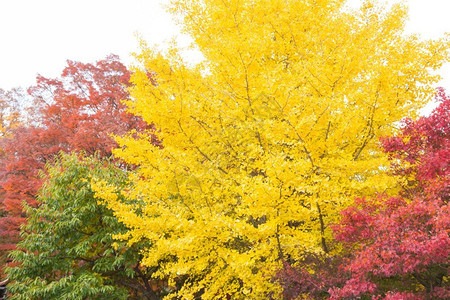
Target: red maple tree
x: 394, y: 247
x: 77, y: 111
x: 402, y: 244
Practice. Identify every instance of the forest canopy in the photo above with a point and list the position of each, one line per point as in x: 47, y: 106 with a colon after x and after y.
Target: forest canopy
x: 289, y: 164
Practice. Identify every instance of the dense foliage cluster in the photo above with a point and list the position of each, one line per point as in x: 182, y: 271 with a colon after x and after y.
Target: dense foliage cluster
x: 401, y: 244
x: 289, y: 164
x: 75, y: 112
x: 393, y: 247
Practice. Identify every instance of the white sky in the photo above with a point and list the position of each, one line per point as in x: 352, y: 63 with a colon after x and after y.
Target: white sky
x: 38, y: 36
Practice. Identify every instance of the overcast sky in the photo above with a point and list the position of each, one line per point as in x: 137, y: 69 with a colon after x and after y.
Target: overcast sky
x: 39, y: 36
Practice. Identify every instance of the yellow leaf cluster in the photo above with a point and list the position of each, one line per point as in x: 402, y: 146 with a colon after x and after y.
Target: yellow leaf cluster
x: 267, y: 139
x: 9, y: 115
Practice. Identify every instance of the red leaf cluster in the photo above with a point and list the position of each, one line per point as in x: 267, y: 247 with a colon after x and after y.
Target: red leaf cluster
x: 401, y: 244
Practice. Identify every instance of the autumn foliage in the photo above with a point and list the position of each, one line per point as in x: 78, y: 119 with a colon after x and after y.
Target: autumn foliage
x: 9, y: 111
x: 289, y: 164
x: 77, y: 111
x: 402, y: 243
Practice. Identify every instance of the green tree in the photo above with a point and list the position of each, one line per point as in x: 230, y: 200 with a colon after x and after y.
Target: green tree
x: 67, y: 249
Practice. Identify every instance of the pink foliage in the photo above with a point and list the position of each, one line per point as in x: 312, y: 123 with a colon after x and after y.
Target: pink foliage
x: 401, y: 244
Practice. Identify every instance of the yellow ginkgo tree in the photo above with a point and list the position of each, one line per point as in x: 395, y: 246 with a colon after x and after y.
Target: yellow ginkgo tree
x: 266, y: 140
